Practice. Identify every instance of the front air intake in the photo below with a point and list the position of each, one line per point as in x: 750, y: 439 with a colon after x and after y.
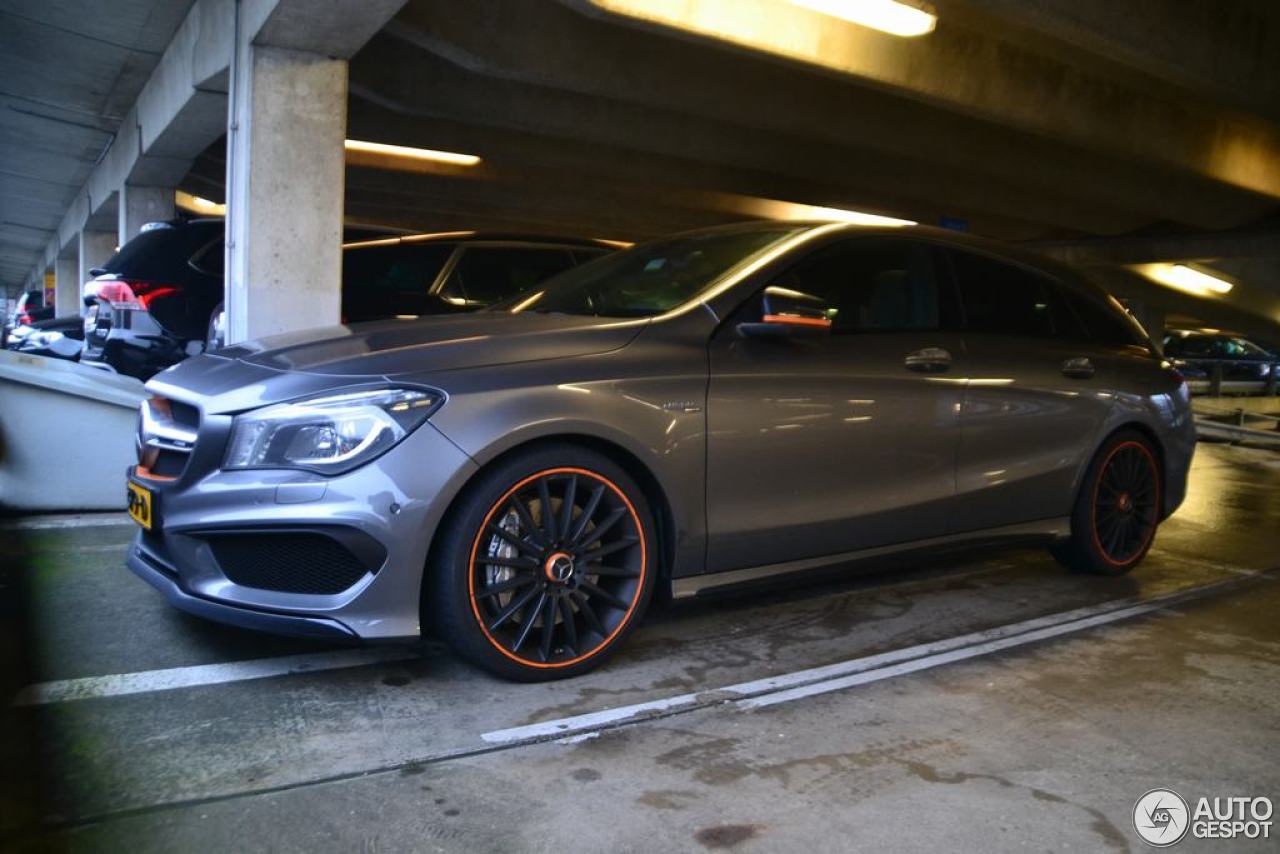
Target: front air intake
x: 290, y: 562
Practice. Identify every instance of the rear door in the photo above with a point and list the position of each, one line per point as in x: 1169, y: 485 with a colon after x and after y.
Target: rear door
x: 824, y: 445
x: 1038, y: 392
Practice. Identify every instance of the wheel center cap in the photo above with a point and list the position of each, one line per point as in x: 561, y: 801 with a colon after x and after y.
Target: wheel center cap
x: 1124, y: 503
x: 559, y: 567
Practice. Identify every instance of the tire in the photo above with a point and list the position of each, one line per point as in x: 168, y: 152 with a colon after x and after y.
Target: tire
x: 516, y: 591
x: 1118, y: 509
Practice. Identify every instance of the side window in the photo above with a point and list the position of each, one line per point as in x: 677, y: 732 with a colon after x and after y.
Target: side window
x: 1104, y: 322
x: 1000, y: 298
x: 486, y: 274
x: 210, y: 260
x: 384, y: 281
x: 871, y: 285
x: 400, y: 269
x: 1194, y: 345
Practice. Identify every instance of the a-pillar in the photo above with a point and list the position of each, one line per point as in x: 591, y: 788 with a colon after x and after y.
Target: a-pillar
x: 1152, y: 317
x: 285, y: 172
x: 66, y: 283
x: 141, y: 205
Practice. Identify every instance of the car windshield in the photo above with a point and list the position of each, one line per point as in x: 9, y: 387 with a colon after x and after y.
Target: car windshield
x: 652, y: 278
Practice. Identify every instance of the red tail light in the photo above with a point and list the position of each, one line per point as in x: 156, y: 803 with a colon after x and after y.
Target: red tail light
x: 24, y: 319
x: 133, y: 294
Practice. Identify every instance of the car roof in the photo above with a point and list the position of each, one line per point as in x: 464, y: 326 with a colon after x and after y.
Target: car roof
x: 1009, y: 252
x: 481, y: 237
x: 355, y: 235
x: 1200, y: 333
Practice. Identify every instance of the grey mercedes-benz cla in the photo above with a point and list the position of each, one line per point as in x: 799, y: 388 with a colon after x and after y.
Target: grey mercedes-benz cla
x: 710, y: 409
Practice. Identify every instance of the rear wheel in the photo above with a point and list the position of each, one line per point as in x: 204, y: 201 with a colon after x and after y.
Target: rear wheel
x: 1116, y: 513
x: 545, y: 565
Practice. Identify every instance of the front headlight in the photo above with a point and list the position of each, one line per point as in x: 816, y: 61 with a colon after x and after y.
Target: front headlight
x: 330, y: 434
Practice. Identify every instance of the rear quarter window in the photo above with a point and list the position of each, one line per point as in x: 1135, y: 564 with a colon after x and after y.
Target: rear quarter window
x: 1103, y: 319
x: 487, y: 274
x: 383, y: 281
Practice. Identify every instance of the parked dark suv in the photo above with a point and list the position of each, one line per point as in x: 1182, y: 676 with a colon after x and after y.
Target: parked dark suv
x: 159, y: 299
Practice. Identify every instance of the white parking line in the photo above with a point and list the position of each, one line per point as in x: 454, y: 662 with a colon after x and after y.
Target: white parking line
x: 72, y: 520
x: 147, y: 681
x: 859, y: 671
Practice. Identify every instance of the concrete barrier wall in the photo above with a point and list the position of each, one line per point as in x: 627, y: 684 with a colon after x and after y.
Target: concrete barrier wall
x: 66, y: 434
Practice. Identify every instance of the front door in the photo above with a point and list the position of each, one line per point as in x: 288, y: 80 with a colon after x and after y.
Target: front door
x: 822, y: 445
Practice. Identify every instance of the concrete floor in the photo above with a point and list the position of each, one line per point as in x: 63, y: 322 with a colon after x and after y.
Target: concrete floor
x: 1045, y: 745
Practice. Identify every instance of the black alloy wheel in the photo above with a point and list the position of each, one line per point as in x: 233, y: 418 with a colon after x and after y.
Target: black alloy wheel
x: 558, y: 569
x: 1117, y: 510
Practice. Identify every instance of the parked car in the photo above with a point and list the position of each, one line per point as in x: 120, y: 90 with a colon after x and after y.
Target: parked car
x: 159, y: 299
x: 58, y: 338
x: 29, y: 309
x: 707, y: 410
x: 1245, y: 365
x: 416, y: 275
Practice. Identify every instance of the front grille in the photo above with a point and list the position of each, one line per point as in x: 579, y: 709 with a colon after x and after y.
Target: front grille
x: 287, y: 562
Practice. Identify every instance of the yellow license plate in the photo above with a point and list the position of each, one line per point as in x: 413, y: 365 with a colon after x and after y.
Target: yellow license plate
x: 140, y: 505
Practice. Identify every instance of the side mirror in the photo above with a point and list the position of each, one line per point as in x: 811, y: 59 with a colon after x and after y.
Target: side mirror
x: 789, y: 313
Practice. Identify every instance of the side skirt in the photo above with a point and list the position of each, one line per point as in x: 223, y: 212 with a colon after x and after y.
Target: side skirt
x: 697, y: 585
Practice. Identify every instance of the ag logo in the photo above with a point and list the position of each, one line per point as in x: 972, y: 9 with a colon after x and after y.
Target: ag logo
x: 1161, y: 817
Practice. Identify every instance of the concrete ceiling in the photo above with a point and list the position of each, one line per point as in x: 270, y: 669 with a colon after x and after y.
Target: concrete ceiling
x: 1074, y: 123
x: 1025, y: 119
x: 595, y: 103
x: 69, y: 71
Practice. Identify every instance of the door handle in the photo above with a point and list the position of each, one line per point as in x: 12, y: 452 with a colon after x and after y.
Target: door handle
x: 1078, y: 367
x: 930, y: 360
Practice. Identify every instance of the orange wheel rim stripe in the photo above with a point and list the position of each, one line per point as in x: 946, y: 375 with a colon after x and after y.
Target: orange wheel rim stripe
x: 475, y: 549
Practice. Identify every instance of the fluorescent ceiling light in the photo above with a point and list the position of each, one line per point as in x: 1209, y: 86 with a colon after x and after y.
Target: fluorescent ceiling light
x: 408, y: 153
x: 1185, y: 279
x: 197, y: 204
x: 887, y: 16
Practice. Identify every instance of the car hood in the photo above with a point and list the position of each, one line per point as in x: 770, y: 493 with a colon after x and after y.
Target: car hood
x: 286, y: 366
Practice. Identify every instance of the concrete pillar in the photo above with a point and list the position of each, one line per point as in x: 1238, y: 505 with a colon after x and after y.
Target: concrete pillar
x: 285, y: 174
x: 141, y: 205
x: 66, y: 275
x: 96, y: 249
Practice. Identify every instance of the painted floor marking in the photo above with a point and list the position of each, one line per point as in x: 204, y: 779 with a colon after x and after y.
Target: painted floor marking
x: 40, y: 522
x: 147, y: 681
x: 833, y: 677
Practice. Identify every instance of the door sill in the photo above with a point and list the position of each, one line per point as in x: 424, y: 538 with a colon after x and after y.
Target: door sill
x: 697, y: 585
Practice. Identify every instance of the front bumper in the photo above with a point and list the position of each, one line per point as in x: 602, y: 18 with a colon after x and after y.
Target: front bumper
x: 396, y: 501
x: 149, y: 570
